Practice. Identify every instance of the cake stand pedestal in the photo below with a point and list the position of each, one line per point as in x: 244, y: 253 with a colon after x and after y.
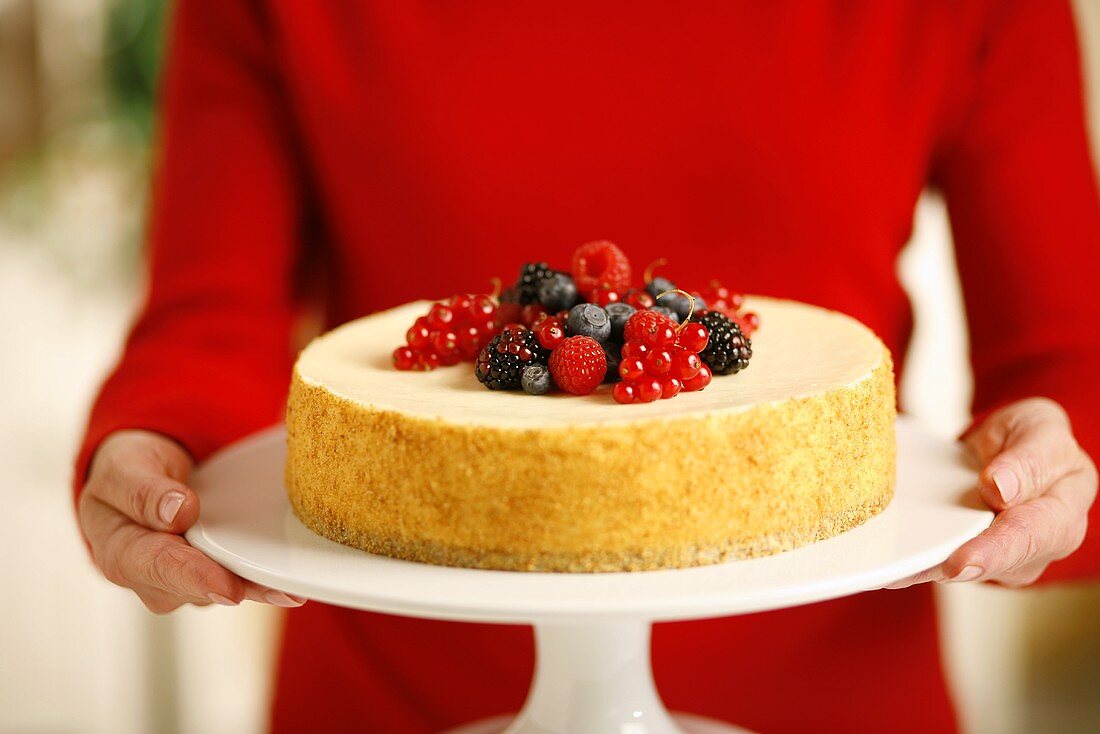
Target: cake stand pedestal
x: 593, y: 673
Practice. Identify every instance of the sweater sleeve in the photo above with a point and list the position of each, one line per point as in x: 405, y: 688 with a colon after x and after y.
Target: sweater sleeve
x: 1022, y: 197
x: 208, y: 357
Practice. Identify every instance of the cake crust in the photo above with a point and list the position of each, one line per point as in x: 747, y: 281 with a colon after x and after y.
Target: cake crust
x: 668, y: 492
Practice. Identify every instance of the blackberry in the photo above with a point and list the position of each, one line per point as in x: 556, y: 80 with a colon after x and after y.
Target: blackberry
x: 527, y: 287
x: 501, y: 363
x: 728, y: 350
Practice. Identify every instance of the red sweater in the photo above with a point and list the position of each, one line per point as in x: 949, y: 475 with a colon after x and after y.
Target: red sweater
x: 412, y: 149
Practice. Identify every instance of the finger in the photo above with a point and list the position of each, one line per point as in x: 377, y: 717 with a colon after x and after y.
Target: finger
x: 1024, y: 449
x: 137, y: 485
x: 1038, y: 532
x: 929, y: 574
x: 162, y: 568
x: 162, y: 602
x: 134, y: 556
x: 264, y: 595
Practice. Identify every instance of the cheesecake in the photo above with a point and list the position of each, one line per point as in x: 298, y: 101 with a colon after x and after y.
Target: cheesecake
x: 432, y: 467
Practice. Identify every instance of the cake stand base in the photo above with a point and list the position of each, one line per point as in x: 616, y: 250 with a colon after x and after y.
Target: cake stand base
x: 592, y: 679
x: 593, y: 673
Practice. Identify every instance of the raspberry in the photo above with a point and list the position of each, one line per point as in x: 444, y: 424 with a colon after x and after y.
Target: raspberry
x: 650, y: 328
x: 601, y: 265
x: 578, y: 365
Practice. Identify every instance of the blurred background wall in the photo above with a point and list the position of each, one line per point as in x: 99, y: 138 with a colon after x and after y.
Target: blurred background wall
x: 78, y: 655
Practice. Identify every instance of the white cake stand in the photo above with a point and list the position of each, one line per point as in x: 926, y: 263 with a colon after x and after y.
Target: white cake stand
x: 593, y: 670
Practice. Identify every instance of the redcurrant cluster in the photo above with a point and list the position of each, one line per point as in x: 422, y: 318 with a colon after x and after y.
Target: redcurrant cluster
x: 452, y: 331
x: 722, y: 299
x: 659, y: 359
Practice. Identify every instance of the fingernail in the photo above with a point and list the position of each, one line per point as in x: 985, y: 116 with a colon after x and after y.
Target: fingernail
x: 219, y: 599
x: 969, y: 573
x: 170, y: 507
x: 1007, y: 484
x: 280, y: 599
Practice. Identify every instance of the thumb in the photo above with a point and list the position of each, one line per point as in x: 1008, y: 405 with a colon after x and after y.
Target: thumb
x: 142, y: 474
x: 1023, y: 448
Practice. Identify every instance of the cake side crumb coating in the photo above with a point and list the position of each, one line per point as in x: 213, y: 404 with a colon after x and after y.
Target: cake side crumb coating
x: 668, y: 493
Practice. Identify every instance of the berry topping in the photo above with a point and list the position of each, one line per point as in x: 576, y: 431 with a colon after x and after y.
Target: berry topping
x: 588, y: 319
x: 558, y: 292
x: 602, y: 262
x: 500, y: 364
x: 578, y: 365
x: 728, y: 350
x: 618, y: 313
x: 536, y: 379
x: 579, y: 329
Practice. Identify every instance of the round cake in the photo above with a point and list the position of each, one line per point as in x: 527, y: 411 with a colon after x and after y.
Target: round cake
x: 433, y: 467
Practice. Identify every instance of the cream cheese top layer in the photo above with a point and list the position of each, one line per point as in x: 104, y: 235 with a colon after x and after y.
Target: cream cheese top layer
x: 799, y: 351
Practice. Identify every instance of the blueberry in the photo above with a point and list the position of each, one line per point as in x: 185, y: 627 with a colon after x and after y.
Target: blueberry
x: 658, y: 286
x: 558, y: 292
x: 678, y: 303
x: 588, y: 319
x: 614, y: 351
x: 536, y: 379
x: 667, y: 312
x: 618, y: 312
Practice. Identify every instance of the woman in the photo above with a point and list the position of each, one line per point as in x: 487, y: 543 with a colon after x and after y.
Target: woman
x: 392, y: 151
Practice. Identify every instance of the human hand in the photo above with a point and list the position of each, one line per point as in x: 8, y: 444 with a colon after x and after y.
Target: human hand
x: 1040, y: 483
x: 133, y: 511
